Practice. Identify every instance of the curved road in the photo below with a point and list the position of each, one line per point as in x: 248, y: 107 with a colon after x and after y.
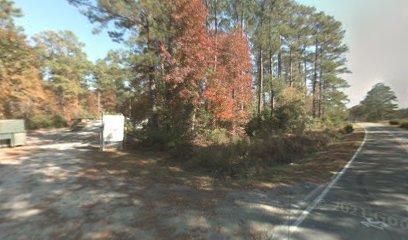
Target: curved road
x: 370, y: 201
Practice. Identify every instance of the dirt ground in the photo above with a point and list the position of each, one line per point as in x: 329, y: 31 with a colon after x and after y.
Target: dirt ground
x: 61, y: 187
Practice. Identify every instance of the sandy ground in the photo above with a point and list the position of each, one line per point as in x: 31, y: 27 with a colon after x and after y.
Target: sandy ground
x: 50, y: 191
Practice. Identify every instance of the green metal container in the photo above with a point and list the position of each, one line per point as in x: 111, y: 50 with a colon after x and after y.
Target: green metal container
x: 13, y: 131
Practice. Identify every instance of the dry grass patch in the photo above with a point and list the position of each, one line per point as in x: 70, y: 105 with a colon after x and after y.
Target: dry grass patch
x: 151, y: 166
x: 321, y: 166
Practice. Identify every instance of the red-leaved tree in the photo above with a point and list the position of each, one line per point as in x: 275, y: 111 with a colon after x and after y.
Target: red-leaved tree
x: 230, y: 89
x: 187, y: 57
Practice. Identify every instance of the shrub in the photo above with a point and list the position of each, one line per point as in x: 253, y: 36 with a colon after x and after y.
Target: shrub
x: 404, y: 125
x: 394, y: 122
x: 46, y: 121
x: 158, y: 138
x: 260, y: 125
x: 216, y: 157
x: 165, y: 138
x: 219, y: 135
x: 240, y: 157
x: 59, y: 121
x: 39, y: 121
x: 348, y: 128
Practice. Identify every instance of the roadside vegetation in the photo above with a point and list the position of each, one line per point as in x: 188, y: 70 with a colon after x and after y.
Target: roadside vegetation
x: 394, y: 122
x: 399, y: 123
x: 230, y: 87
x: 311, y: 159
x: 183, y: 72
x: 380, y: 105
x: 404, y: 124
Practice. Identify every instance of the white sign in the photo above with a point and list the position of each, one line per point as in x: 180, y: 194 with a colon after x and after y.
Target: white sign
x: 113, y: 128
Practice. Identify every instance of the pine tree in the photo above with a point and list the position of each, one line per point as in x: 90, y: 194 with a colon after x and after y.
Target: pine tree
x: 295, y: 49
x: 144, y: 27
x: 111, y: 80
x: 66, y: 68
x: 379, y: 103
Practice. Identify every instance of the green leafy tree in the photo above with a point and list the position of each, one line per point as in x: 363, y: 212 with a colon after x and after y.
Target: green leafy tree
x: 379, y: 103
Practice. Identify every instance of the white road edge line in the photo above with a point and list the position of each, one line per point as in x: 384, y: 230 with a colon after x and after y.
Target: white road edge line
x: 319, y: 198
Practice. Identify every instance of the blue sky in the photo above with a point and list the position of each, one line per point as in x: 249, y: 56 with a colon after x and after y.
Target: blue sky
x: 41, y: 15
x: 377, y: 33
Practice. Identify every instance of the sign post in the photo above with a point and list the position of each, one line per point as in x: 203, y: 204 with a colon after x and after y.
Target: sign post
x: 112, y: 131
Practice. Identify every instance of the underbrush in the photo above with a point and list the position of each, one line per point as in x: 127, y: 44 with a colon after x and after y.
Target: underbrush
x: 249, y: 156
x: 221, y: 153
x: 394, y: 122
x: 46, y: 121
x: 348, y: 129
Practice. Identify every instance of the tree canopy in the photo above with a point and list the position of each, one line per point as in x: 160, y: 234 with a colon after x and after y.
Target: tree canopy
x: 186, y: 67
x: 379, y: 103
x: 192, y: 61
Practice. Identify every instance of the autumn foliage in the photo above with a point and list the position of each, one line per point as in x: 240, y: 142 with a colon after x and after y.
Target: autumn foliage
x: 229, y: 90
x: 23, y: 93
x: 207, y: 68
x: 189, y: 56
x: 184, y: 76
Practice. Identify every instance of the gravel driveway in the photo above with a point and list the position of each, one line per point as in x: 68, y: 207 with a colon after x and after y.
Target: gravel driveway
x: 49, y: 191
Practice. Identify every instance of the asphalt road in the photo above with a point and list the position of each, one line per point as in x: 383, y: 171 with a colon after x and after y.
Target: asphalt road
x: 370, y: 200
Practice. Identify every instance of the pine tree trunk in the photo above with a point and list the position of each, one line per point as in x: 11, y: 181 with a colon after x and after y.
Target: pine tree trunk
x: 99, y: 101
x: 193, y: 120
x: 153, y: 98
x: 154, y: 120
x: 314, y: 84
x: 305, y: 71
x: 280, y: 66
x: 321, y: 94
x: 290, y: 67
x: 63, y: 101
x: 215, y: 17
x: 260, y: 81
x: 319, y: 113
x: 271, y: 84
x: 215, y: 33
x: 207, y: 22
x: 242, y: 18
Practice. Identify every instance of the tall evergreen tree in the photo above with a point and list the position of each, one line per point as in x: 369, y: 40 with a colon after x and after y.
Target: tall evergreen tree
x: 142, y: 26
x: 66, y: 68
x: 111, y: 81
x: 379, y: 103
